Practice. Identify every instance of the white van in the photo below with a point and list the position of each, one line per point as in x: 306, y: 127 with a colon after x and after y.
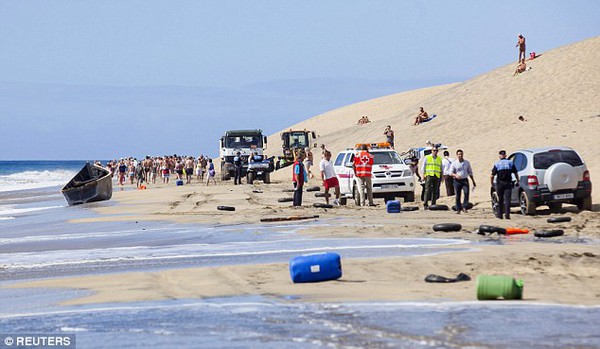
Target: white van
x: 391, y: 177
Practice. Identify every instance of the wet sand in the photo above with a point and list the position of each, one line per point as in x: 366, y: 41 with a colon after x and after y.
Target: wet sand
x: 562, y: 270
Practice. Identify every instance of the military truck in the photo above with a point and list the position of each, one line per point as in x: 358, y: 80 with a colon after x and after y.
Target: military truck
x: 247, y: 142
x: 292, y: 141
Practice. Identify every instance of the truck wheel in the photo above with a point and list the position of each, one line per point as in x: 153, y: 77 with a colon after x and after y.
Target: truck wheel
x: 409, y: 197
x: 224, y: 174
x: 527, y: 207
x: 584, y: 203
x: 267, y: 178
x: 250, y: 177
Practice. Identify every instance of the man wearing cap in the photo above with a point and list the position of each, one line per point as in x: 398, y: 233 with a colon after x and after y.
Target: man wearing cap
x: 432, y: 171
x: 503, y: 170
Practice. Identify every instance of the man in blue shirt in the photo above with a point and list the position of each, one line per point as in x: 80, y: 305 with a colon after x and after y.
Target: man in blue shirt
x: 503, y: 170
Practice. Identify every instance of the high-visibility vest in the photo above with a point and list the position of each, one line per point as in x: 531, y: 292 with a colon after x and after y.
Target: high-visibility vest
x: 433, y: 167
x: 363, y: 162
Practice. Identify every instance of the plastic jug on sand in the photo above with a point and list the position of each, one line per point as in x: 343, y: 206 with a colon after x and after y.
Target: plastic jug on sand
x: 498, y: 286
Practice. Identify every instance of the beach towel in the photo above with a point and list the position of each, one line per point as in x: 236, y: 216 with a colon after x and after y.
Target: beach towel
x: 430, y: 118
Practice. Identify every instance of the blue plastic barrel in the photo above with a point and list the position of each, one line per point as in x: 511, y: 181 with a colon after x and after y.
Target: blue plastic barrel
x: 316, y: 267
x: 392, y: 206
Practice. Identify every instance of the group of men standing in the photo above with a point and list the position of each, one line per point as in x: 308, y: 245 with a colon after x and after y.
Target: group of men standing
x: 455, y: 174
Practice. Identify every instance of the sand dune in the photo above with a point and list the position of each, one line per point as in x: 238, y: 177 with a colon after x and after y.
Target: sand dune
x: 559, y: 99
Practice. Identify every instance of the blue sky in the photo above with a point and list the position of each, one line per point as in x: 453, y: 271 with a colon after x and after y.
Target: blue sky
x: 163, y: 77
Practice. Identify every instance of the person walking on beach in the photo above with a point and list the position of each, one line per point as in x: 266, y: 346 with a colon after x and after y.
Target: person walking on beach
x: 432, y: 171
x: 309, y: 162
x: 363, y: 164
x: 461, y: 170
x: 122, y: 172
x: 447, y: 178
x: 521, y: 45
x: 189, y: 169
x: 165, y: 170
x: 329, y: 178
x: 299, y: 177
x: 389, y: 135
x: 211, y: 172
x: 204, y: 164
x: 503, y: 170
x: 237, y: 163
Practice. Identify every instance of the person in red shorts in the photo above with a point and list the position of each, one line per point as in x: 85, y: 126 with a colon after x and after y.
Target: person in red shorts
x: 329, y: 178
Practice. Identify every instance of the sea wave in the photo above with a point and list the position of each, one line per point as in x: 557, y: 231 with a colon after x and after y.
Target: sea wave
x: 34, y: 179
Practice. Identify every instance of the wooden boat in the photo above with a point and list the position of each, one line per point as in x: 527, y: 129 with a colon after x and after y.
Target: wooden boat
x: 92, y: 183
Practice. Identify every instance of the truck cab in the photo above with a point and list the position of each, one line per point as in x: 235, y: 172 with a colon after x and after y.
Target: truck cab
x: 247, y: 142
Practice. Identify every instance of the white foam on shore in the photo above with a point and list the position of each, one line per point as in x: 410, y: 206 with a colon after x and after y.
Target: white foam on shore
x: 10, y: 210
x: 34, y: 179
x: 30, y: 260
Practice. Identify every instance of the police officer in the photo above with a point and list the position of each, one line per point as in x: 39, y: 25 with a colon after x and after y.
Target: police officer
x: 503, y: 169
x: 237, y: 162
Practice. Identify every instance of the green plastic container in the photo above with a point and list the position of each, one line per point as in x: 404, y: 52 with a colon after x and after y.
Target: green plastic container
x: 498, y: 286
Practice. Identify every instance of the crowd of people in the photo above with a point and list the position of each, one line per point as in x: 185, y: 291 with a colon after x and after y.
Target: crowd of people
x: 150, y: 169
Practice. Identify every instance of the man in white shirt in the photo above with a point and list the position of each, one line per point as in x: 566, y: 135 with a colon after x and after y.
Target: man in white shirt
x: 329, y: 178
x: 446, y: 173
x: 461, y: 170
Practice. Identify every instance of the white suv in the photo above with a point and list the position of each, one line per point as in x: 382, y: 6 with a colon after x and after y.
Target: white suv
x: 391, y: 177
x: 549, y: 176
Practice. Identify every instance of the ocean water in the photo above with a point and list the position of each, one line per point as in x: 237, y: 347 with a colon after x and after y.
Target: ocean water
x: 37, y: 241
x: 23, y: 175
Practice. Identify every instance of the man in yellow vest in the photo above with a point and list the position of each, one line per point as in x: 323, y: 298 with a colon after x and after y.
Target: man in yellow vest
x: 432, y: 171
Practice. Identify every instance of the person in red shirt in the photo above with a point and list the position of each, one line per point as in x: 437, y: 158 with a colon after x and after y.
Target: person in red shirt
x: 363, y: 163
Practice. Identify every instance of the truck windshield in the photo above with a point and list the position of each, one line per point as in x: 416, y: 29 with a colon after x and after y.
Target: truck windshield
x: 243, y: 142
x: 296, y: 140
x: 388, y: 158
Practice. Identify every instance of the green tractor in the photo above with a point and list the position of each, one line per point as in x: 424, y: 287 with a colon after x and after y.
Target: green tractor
x: 293, y: 141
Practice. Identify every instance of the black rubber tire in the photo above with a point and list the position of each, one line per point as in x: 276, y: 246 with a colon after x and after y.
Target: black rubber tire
x: 438, y: 208
x: 285, y: 199
x: 321, y: 205
x: 225, y: 208
x: 447, y: 227
x: 558, y: 219
x: 491, y: 229
x: 409, y: 208
x: 467, y: 206
x: 319, y: 195
x: 313, y: 189
x: 548, y: 233
x: 288, y: 190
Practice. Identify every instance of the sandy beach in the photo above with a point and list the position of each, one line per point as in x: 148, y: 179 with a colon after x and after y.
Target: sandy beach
x: 480, y: 116
x: 566, y: 272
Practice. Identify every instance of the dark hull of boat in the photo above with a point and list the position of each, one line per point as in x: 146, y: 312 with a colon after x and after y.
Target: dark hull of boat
x: 92, y: 183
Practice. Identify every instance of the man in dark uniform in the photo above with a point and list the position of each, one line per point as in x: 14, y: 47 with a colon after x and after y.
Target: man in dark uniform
x: 503, y: 170
x: 237, y: 162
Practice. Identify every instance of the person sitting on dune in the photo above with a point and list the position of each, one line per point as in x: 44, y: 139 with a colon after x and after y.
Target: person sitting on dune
x: 422, y: 117
x: 521, y: 67
x: 363, y: 120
